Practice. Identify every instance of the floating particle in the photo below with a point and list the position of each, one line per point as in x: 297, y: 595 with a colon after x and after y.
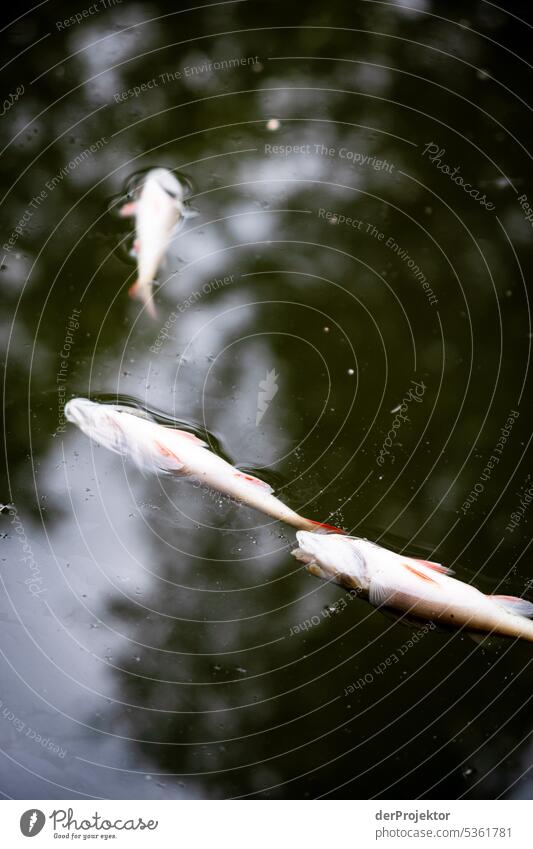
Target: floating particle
x: 273, y: 124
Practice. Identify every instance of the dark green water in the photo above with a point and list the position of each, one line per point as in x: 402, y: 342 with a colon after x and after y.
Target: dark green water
x: 150, y: 643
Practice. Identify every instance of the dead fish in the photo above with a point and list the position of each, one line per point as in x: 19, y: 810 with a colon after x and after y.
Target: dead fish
x: 167, y: 450
x: 420, y: 587
x: 158, y: 210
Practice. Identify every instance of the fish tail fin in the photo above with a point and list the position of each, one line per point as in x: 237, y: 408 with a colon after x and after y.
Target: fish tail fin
x: 324, y: 528
x: 514, y: 604
x: 142, y: 293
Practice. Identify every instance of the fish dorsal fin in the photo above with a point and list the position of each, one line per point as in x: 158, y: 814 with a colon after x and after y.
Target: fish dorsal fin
x: 514, y: 604
x: 184, y: 434
x: 255, y: 481
x: 190, y: 436
x: 437, y: 567
x: 138, y: 412
x: 324, y: 528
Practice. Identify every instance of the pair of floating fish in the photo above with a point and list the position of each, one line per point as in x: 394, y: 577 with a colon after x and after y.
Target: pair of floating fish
x: 421, y: 588
x: 158, y: 210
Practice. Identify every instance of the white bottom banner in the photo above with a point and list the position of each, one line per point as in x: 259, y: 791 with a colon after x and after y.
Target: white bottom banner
x: 264, y: 824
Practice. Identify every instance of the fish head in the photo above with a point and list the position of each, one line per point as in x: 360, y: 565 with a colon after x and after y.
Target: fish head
x: 81, y: 411
x: 333, y: 557
x: 99, y: 421
x: 167, y: 181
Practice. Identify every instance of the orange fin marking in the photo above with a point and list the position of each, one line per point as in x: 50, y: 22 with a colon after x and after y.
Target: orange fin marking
x: 128, y: 209
x: 437, y: 567
x: 165, y: 451
x: 325, y: 527
x: 419, y: 574
x: 253, y: 480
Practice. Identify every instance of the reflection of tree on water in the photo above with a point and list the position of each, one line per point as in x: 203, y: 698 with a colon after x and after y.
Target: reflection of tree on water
x: 382, y: 310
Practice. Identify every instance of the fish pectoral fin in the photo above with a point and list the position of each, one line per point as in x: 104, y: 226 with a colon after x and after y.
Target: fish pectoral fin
x: 515, y: 604
x: 143, y: 294
x: 437, y: 567
x: 255, y: 481
x: 167, y: 460
x: 480, y: 639
x: 380, y: 592
x: 190, y: 212
x: 176, y: 228
x: 128, y: 209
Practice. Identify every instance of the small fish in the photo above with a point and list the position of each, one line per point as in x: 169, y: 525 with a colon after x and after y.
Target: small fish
x: 158, y: 210
x: 166, y: 450
x: 422, y: 588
